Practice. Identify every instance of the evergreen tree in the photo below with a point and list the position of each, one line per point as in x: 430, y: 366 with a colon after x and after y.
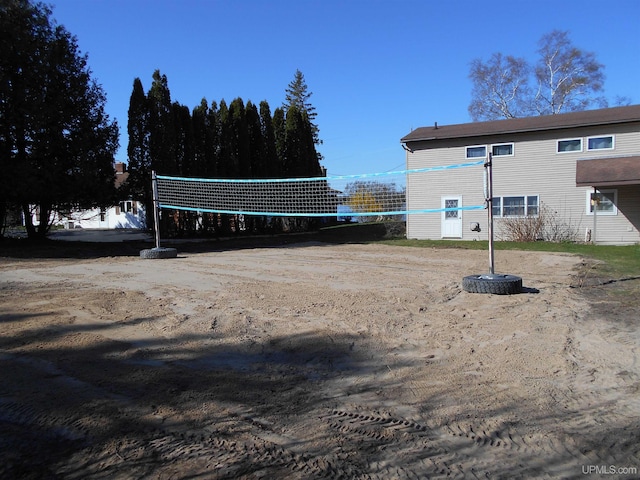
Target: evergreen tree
x: 256, y: 142
x: 300, y: 156
x: 297, y: 95
x: 225, y: 143
x: 202, y: 139
x: 184, y: 221
x: 234, y: 141
x: 57, y: 144
x: 238, y: 140
x: 311, y: 163
x: 295, y: 144
x: 256, y: 155
x: 271, y: 161
x: 184, y: 140
x: 162, y: 143
x: 279, y: 133
x: 227, y: 167
x: 215, y: 133
x: 139, y: 162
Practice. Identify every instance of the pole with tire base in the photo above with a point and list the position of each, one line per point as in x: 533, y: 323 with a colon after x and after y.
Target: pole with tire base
x: 158, y: 251
x: 491, y: 282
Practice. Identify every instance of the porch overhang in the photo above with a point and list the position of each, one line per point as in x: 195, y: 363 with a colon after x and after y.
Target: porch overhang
x: 607, y: 172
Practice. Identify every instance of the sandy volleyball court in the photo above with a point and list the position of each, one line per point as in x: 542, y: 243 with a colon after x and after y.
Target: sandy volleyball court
x: 313, y: 361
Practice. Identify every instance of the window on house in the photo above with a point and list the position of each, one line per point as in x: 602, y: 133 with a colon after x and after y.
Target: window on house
x: 513, y: 206
x: 451, y: 214
x: 103, y: 215
x: 516, y: 206
x: 497, y: 207
x: 477, y: 152
x: 600, y: 143
x: 502, y: 150
x: 604, y: 201
x: 570, y: 145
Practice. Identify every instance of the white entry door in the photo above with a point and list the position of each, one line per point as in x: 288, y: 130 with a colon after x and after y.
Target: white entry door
x: 451, y: 219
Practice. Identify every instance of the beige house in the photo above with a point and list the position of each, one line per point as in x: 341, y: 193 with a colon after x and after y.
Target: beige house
x: 557, y: 164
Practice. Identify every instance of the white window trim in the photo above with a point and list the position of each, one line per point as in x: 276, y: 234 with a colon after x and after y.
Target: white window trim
x: 567, y: 140
x: 526, y: 206
x: 600, y: 212
x: 526, y: 197
x: 613, y: 143
x: 466, y: 151
x: 513, y: 149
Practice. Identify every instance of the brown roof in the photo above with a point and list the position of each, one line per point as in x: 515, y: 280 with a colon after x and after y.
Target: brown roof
x: 605, y: 116
x: 608, y: 172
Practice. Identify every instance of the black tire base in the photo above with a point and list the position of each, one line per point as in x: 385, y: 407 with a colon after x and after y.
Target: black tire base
x: 160, y: 252
x: 492, y: 283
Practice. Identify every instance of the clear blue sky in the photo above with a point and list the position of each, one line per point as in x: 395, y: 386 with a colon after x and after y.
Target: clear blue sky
x: 377, y: 68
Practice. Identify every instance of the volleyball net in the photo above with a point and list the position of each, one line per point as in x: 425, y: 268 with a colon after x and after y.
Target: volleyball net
x: 380, y: 195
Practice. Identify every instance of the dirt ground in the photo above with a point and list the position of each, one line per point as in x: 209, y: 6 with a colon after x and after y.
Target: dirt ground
x: 311, y: 361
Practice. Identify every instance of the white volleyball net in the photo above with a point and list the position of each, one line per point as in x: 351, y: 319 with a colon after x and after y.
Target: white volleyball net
x: 380, y: 195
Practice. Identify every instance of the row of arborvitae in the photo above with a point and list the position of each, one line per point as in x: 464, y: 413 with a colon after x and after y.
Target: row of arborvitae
x: 219, y: 140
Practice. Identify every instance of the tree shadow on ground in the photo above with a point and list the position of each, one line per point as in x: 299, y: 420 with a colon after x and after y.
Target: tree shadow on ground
x: 75, y: 404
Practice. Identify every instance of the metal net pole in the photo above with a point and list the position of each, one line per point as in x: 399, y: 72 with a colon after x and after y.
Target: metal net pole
x: 156, y: 209
x: 489, y: 176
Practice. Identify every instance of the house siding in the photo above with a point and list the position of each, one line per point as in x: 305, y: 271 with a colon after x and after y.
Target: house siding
x: 110, y: 218
x: 133, y: 216
x: 534, y: 169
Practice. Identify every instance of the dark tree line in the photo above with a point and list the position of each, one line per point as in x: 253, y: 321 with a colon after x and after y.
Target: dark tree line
x: 219, y: 140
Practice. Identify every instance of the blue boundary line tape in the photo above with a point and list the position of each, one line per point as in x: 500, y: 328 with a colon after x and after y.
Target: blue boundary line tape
x: 326, y: 179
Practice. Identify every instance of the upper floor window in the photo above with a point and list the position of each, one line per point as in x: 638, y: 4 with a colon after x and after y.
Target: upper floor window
x: 570, y: 145
x: 600, y: 143
x: 502, y: 150
x: 479, y: 151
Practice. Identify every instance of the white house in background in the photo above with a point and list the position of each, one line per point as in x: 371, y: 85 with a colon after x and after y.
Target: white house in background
x: 127, y: 214
x: 558, y: 161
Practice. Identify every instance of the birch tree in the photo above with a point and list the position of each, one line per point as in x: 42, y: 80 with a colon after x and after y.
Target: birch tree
x: 568, y: 78
x: 564, y: 78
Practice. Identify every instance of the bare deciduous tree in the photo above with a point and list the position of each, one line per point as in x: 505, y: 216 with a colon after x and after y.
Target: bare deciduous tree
x: 568, y: 78
x: 547, y: 226
x: 500, y: 87
x: 565, y: 78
